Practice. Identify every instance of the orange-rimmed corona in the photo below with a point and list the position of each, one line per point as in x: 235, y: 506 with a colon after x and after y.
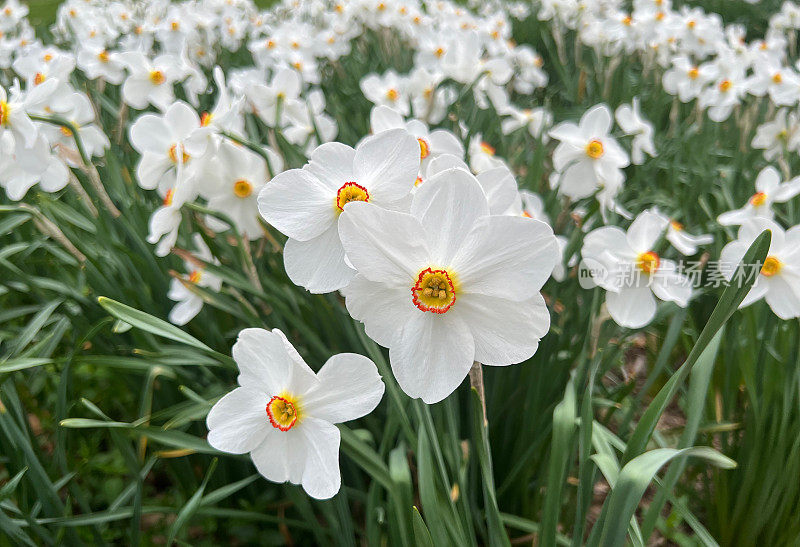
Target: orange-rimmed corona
x: 283, y: 411
x: 434, y: 291
x: 648, y: 262
x: 424, y: 148
x: 173, y: 154
x: 595, y: 149
x: 242, y: 188
x: 758, y: 199
x: 772, y: 265
x: 157, y: 77
x: 350, y: 191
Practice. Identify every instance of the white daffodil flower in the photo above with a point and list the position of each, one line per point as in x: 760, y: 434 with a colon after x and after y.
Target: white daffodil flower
x: 306, y: 204
x: 150, y: 82
x: 587, y: 156
x: 432, y: 144
x: 190, y: 303
x: 447, y: 284
x: 630, y: 119
x: 778, y: 280
x: 631, y: 272
x: 769, y: 190
x: 241, y: 174
x: 282, y: 413
x: 166, y: 141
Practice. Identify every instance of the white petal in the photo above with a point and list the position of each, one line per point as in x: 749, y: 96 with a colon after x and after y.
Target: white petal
x: 632, y: 307
x: 349, y: 387
x: 384, y: 246
x: 332, y: 162
x: 321, y: 478
x: 318, y: 264
x: 387, y: 164
x: 368, y: 302
x: 281, y: 456
x: 505, y: 332
x: 265, y: 364
x: 298, y: 204
x: 448, y: 205
x: 782, y: 297
x: 431, y: 355
x: 645, y: 231
x: 238, y: 422
x: 508, y: 257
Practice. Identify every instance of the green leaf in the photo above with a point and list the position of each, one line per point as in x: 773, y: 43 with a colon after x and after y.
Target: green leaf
x: 188, y: 510
x: 147, y: 322
x: 564, y: 417
x: 728, y: 303
x: 632, y: 482
x: 21, y: 363
x: 497, y: 534
x: 421, y: 533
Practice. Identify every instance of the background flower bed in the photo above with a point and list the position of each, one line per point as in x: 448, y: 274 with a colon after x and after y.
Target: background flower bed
x: 139, y: 481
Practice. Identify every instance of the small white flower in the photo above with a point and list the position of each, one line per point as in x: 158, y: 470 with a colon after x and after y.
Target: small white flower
x: 630, y: 119
x: 631, y: 272
x: 587, y: 156
x: 778, y: 281
x: 306, y: 204
x: 282, y: 413
x: 769, y: 190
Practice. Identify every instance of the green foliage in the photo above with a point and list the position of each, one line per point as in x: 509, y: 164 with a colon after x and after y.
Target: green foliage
x: 102, y: 402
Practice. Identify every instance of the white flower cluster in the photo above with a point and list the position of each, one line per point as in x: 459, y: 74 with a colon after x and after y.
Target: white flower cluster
x: 421, y: 225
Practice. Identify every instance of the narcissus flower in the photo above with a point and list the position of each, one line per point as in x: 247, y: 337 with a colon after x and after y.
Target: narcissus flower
x: 306, y: 204
x: 778, y: 279
x: 769, y: 190
x: 630, y: 119
x: 282, y: 413
x: 628, y: 268
x: 587, y: 156
x: 447, y: 284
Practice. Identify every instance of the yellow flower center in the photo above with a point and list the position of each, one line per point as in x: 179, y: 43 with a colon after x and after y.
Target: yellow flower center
x: 242, y: 188
x: 168, y: 197
x: 424, y: 149
x: 3, y: 113
x: 677, y: 226
x: 777, y: 78
x: 771, y: 266
x: 487, y: 148
x: 434, y: 291
x: 205, y: 119
x: 103, y: 56
x: 725, y: 86
x: 392, y: 94
x: 594, y: 149
x: 157, y: 77
x: 648, y: 262
x: 693, y: 73
x: 439, y: 52
x: 39, y: 78
x: 691, y: 24
x: 627, y: 20
x: 175, y: 25
x: 173, y: 154
x: 418, y: 181
x: 66, y: 131
x: 283, y: 411
x: 758, y: 199
x: 47, y: 58
x: 350, y: 191
x: 196, y: 276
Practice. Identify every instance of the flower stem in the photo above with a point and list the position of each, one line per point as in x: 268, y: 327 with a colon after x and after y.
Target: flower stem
x: 476, y: 381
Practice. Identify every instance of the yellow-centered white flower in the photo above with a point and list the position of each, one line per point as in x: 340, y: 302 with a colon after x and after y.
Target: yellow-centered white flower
x: 447, y: 284
x: 283, y: 413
